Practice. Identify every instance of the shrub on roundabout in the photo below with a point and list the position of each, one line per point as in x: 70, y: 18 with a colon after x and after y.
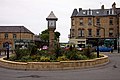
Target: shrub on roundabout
x: 34, y: 55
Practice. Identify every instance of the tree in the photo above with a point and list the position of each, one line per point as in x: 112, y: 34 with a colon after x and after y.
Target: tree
x: 57, y: 35
x: 45, y: 35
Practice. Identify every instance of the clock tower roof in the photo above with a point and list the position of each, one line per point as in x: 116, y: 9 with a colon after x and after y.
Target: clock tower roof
x: 51, y: 16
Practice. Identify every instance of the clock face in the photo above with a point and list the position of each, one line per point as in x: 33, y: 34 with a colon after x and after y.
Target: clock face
x: 51, y: 23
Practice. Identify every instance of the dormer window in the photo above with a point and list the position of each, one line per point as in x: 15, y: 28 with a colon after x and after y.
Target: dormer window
x: 89, y: 12
x: 84, y: 12
x: 107, y: 12
x: 110, y: 11
x: 97, y: 12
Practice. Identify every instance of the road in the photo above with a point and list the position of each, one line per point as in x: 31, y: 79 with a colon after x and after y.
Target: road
x: 111, y: 71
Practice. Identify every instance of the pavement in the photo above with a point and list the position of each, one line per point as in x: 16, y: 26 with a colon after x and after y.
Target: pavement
x: 4, y: 54
x: 110, y: 71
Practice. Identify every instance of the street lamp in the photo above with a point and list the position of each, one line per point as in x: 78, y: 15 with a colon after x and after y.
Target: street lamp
x: 101, y: 28
x: 98, y: 39
x: 117, y: 15
x: 20, y: 37
x: 118, y: 29
x: 7, y: 48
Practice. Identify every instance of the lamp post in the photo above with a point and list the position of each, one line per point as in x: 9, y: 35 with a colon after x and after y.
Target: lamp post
x: 20, y: 38
x: 51, y: 27
x: 7, y: 48
x: 103, y: 30
x: 98, y: 39
x: 118, y: 29
x: 117, y: 12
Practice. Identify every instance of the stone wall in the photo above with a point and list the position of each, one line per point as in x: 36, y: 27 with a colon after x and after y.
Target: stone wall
x: 62, y: 65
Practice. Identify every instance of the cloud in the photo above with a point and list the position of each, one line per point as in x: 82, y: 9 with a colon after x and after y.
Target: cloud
x: 33, y: 13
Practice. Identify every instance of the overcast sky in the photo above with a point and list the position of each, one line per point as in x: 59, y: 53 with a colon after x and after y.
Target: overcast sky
x: 32, y: 13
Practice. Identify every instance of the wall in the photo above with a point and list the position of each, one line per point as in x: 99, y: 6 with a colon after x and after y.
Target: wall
x: 22, y: 36
x: 62, y: 65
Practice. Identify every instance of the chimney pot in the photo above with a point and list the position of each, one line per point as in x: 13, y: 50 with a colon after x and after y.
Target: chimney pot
x: 80, y: 9
x: 102, y: 7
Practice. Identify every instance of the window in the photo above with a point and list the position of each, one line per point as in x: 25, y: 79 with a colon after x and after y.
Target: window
x: 72, y: 32
x: 14, y: 36
x: 110, y: 11
x: 113, y: 11
x: 98, y: 32
x: 89, y: 32
x: 110, y: 32
x: 84, y: 12
x: 89, y: 12
x: 98, y: 21
x: 81, y: 33
x: 6, y: 35
x: 89, y: 21
x: 111, y: 21
x: 72, y: 35
x: 107, y: 12
x: 97, y: 12
x: 81, y: 21
x: 73, y: 22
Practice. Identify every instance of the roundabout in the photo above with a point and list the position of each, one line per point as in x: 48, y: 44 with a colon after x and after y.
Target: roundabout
x: 62, y: 65
x: 103, y: 72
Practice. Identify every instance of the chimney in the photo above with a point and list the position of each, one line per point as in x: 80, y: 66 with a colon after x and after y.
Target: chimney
x: 80, y: 9
x: 75, y: 12
x: 102, y: 7
x: 114, y: 5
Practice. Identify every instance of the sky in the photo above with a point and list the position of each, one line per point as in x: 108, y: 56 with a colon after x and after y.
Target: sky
x: 33, y: 13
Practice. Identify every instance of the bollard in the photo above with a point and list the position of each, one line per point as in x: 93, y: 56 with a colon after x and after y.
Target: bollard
x: 7, y: 53
x: 7, y: 49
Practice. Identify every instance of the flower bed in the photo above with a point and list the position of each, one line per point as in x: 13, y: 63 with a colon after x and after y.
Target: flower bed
x: 26, y: 55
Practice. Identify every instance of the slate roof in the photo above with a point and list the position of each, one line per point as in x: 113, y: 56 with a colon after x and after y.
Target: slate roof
x: 75, y: 12
x: 118, y: 10
x: 94, y: 12
x: 14, y: 29
x: 51, y: 16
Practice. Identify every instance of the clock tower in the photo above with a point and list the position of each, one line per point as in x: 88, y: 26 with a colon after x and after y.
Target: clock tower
x: 51, y: 27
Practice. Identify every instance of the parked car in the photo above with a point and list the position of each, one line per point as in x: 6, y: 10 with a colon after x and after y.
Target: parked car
x: 78, y: 48
x: 105, y: 49
x: 44, y: 47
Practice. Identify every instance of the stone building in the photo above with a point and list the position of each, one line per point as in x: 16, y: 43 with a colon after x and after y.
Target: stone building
x: 95, y: 25
x: 16, y: 36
